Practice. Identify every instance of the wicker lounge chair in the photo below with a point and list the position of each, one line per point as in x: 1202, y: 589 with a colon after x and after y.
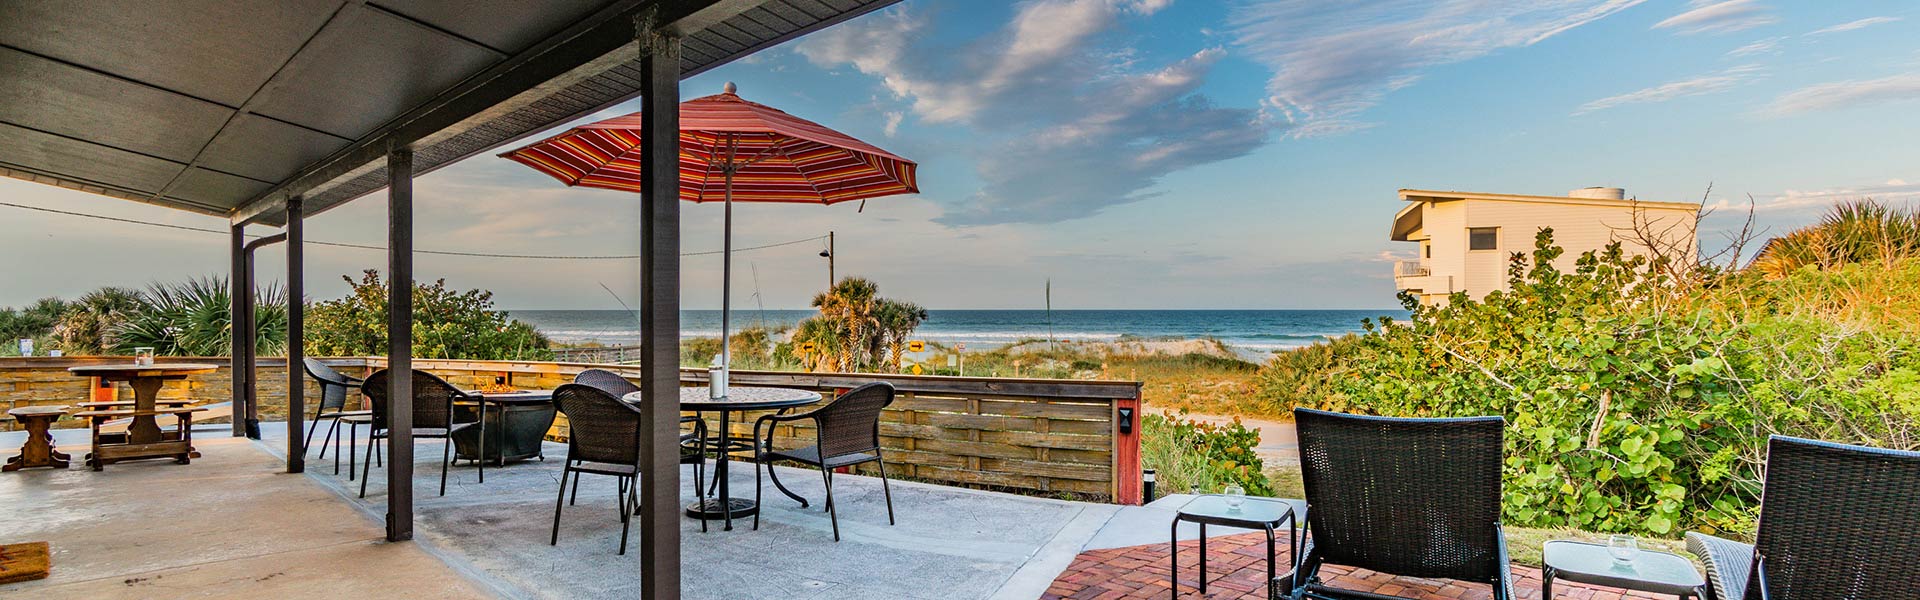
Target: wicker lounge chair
x: 1837, y: 522
x: 603, y: 438
x: 847, y: 433
x: 334, y: 390
x: 1413, y: 497
x: 433, y: 400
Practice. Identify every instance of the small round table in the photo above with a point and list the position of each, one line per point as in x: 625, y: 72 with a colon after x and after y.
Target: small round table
x: 698, y: 399
x: 1649, y: 571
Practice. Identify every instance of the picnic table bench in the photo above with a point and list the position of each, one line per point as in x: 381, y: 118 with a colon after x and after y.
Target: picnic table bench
x: 109, y: 448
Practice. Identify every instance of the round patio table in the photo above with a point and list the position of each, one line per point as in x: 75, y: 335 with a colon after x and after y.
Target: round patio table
x: 145, y: 381
x: 697, y: 399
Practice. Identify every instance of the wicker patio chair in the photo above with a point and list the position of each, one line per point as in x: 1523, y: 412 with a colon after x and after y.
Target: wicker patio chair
x: 691, y: 453
x: 1837, y: 522
x: 1413, y: 497
x: 847, y: 433
x: 433, y: 418
x: 603, y: 438
x: 334, y: 390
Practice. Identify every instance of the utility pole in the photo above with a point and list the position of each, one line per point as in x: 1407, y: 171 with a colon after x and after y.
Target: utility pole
x: 828, y: 254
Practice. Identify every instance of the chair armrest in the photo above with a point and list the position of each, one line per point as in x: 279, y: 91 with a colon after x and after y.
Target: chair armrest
x: 1729, y: 563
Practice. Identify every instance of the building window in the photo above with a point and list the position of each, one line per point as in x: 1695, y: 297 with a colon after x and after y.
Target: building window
x: 1428, y: 247
x: 1483, y: 238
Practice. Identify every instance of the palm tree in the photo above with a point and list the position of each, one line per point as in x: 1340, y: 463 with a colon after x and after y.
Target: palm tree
x: 856, y: 330
x: 89, y: 323
x: 897, y: 320
x: 1852, y: 232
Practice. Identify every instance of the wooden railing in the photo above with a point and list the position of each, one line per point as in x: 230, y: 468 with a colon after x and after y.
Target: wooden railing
x: 1041, y: 435
x: 1037, y: 435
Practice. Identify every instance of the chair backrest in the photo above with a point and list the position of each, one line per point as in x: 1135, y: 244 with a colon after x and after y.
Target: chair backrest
x: 432, y: 399
x: 607, y: 381
x: 600, y: 427
x: 851, y: 423
x: 1838, y: 522
x: 333, y: 385
x: 1416, y: 497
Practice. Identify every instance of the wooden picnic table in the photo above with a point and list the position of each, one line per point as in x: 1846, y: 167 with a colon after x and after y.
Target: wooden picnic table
x: 143, y: 439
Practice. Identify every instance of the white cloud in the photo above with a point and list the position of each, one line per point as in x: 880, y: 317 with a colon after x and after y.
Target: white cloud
x: 1069, y: 123
x: 893, y: 122
x: 1852, y: 25
x: 1847, y: 94
x: 1332, y: 61
x: 1763, y: 46
x: 1696, y: 86
x: 1894, y: 191
x: 1709, y: 16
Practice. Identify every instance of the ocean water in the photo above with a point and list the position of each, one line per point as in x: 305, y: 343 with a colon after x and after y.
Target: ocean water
x: 1251, y: 332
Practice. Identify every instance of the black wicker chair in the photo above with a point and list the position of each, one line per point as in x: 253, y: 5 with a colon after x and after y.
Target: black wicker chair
x: 604, y: 435
x: 1414, y: 497
x: 334, y: 390
x: 692, y: 453
x: 847, y: 433
x: 433, y: 417
x: 1837, y: 522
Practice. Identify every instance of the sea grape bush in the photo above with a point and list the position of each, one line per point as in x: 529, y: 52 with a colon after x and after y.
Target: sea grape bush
x: 1195, y: 455
x: 1639, y: 396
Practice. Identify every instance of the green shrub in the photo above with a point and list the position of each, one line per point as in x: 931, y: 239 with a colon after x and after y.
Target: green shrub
x: 194, y: 318
x: 1639, y: 396
x: 446, y: 324
x: 1191, y: 455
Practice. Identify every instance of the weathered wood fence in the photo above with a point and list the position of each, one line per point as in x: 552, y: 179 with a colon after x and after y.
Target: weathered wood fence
x: 1036, y: 435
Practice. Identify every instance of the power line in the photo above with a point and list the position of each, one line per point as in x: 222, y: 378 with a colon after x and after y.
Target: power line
x: 384, y: 248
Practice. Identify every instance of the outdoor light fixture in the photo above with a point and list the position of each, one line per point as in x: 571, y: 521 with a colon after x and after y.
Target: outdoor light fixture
x: 1146, y: 478
x: 1126, y: 421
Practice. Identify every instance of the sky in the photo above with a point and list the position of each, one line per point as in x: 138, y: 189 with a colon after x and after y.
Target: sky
x: 1174, y: 154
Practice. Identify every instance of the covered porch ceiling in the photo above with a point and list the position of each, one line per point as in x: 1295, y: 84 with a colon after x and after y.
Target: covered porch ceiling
x: 228, y: 108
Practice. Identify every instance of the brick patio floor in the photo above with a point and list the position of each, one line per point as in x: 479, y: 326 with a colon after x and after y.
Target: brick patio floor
x: 1236, y: 568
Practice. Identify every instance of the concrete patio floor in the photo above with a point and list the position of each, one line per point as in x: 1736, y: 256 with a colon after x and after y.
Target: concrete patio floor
x: 234, y: 525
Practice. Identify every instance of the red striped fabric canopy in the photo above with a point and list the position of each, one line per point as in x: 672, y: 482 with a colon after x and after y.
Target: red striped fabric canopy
x: 782, y: 158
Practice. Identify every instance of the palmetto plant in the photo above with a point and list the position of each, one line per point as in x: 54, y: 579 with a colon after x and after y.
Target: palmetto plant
x: 1852, y: 232
x: 194, y: 318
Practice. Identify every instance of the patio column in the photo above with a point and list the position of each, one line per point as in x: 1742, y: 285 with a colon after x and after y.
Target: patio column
x: 237, y: 296
x: 296, y: 315
x: 400, y: 344
x: 660, y: 315
x: 246, y: 344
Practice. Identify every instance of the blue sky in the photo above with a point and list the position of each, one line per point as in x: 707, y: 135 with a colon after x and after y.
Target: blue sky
x: 1165, y: 153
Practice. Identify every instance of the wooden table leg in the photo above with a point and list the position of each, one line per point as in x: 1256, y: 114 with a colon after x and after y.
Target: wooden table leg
x: 38, y: 450
x: 144, y: 430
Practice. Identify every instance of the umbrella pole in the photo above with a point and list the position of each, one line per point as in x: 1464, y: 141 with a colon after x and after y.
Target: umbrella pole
x: 726, y: 267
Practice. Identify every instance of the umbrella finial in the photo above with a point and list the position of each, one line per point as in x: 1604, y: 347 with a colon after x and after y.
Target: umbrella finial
x: 729, y: 88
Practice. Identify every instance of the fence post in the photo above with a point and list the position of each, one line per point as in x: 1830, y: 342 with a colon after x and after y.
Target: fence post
x: 1126, y: 450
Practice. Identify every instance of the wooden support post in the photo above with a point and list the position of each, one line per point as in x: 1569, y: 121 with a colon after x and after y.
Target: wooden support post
x: 296, y: 315
x: 660, y: 315
x: 400, y: 344
x: 236, y: 278
x: 1127, y: 477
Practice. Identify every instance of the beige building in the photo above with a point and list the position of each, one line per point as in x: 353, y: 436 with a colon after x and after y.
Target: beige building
x: 1466, y: 237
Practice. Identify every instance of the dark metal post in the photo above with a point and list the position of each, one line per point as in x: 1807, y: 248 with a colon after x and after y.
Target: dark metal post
x: 660, y: 315
x: 296, y: 315
x: 246, y: 339
x: 400, y: 344
x: 236, y: 278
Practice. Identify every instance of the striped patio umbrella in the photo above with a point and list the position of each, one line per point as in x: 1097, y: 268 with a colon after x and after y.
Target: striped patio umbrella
x: 731, y: 150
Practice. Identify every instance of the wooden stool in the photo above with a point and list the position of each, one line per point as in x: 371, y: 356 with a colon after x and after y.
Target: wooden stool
x: 38, y: 451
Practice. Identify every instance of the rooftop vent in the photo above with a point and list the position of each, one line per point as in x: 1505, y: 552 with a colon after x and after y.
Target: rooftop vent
x: 1599, y: 193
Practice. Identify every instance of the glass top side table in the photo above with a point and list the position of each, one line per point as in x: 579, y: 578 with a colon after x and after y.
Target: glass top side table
x: 1265, y: 514
x: 1649, y: 571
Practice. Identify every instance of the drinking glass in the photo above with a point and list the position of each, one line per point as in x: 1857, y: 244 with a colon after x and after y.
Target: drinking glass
x: 1236, y: 496
x: 1623, y: 548
x: 143, y: 355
